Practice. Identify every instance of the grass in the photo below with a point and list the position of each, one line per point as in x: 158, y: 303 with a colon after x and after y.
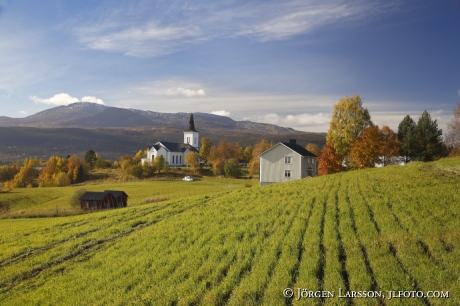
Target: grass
x: 52, y: 201
x: 382, y: 230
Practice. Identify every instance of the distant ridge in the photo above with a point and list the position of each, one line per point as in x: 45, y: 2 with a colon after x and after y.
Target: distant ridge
x: 113, y: 132
x: 92, y: 115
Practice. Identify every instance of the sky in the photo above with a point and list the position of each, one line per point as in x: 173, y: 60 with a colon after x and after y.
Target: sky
x: 281, y: 62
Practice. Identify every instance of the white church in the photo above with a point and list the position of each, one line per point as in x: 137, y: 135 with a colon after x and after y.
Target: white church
x: 173, y: 152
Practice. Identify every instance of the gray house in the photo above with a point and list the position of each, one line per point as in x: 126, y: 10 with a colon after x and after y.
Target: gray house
x: 286, y: 161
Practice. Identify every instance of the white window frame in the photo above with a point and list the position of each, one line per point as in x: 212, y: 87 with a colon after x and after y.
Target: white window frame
x: 288, y: 159
x: 287, y: 173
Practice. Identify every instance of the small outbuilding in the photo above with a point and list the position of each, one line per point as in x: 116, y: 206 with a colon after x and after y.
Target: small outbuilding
x: 92, y: 200
x: 286, y: 161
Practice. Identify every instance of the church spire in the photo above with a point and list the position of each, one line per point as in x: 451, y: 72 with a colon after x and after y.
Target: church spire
x: 191, y: 124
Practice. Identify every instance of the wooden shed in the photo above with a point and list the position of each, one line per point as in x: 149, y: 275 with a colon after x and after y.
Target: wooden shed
x: 93, y: 200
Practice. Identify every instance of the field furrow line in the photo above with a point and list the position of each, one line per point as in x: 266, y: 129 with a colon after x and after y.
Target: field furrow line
x: 86, y: 248
x: 374, y: 286
x: 30, y: 252
x: 342, y: 255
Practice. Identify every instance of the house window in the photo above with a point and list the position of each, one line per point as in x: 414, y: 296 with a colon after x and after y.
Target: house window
x: 287, y: 159
x: 287, y: 173
x: 86, y: 204
x: 94, y: 204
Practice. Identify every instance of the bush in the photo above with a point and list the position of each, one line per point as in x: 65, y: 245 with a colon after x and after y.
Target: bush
x: 232, y: 167
x: 4, y: 207
x: 74, y: 199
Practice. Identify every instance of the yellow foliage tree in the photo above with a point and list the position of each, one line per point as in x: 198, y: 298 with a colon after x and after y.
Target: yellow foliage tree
x: 254, y: 164
x: 192, y: 159
x: 349, y: 120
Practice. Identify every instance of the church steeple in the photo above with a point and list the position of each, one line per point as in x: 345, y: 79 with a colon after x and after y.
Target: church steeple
x: 191, y: 124
x: 191, y: 136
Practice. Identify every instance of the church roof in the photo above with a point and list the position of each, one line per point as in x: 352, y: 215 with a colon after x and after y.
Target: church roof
x: 177, y: 147
x: 191, y: 124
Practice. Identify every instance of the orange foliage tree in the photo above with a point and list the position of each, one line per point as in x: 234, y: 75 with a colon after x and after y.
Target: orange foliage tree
x: 254, y: 164
x: 329, y: 162
x: 224, y: 151
x: 366, y: 149
x: 375, y: 146
x: 390, y: 146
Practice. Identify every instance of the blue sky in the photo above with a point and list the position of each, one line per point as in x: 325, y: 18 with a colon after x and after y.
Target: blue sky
x: 280, y: 62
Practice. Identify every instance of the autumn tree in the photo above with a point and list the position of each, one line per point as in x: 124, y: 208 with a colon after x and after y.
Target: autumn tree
x: 407, y: 136
x: 49, y: 175
x: 254, y: 164
x: 224, y: 151
x: 126, y: 162
x: 9, y: 171
x: 247, y: 154
x: 192, y: 160
x: 77, y: 169
x: 313, y: 148
x: 137, y: 158
x: 366, y: 150
x: 389, y: 147
x: 329, y: 162
x: 349, y: 120
x: 159, y: 162
x: 453, y: 132
x: 239, y: 153
x: 27, y: 176
x: 205, y: 149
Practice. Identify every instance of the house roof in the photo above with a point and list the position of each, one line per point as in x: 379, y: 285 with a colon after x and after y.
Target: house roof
x: 294, y: 147
x: 177, y: 147
x: 299, y: 149
x: 98, y: 195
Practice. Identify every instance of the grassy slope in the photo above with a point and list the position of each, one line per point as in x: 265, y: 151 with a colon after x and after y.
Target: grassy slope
x: 383, y: 229
x: 44, y: 201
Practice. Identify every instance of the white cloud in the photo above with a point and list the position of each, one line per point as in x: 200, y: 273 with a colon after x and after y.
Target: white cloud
x: 23, y: 112
x: 185, y: 92
x: 92, y: 99
x: 458, y: 92
x: 65, y: 99
x: 166, y: 27
x: 57, y: 99
x: 292, y: 120
x: 145, y: 40
x: 221, y: 113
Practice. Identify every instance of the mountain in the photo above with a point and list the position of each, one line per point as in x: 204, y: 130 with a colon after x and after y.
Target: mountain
x: 92, y: 115
x: 113, y: 131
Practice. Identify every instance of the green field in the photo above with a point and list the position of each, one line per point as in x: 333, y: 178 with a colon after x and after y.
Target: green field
x: 378, y: 230
x: 52, y: 201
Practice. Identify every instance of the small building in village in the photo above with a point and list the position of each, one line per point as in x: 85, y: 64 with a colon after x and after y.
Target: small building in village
x: 174, y: 152
x: 92, y: 200
x: 286, y: 161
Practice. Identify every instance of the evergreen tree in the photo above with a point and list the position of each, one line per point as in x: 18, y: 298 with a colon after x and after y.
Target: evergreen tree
x: 429, y: 138
x: 407, y: 135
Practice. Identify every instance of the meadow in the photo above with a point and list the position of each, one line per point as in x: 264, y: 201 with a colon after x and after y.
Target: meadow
x: 53, y: 201
x: 370, y: 232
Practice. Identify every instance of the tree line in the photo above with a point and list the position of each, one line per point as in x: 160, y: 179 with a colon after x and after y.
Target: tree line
x: 354, y: 142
